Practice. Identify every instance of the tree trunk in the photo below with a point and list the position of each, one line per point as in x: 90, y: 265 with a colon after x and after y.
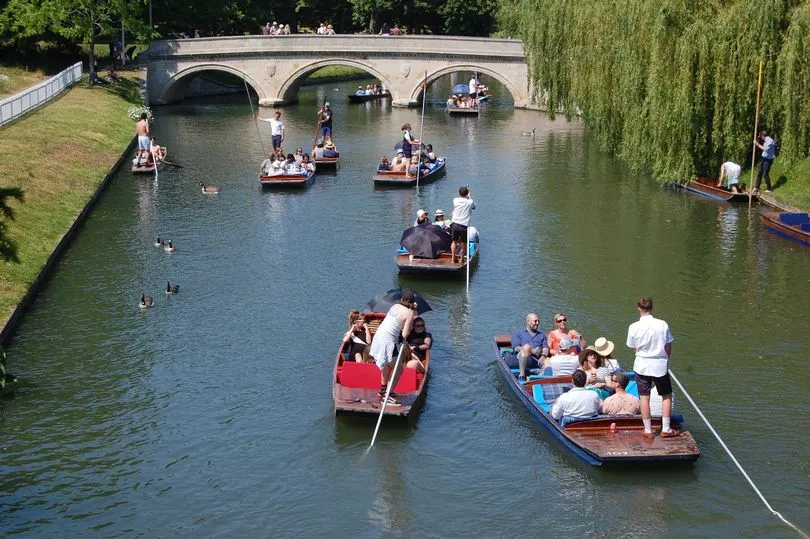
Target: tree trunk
x: 92, y: 50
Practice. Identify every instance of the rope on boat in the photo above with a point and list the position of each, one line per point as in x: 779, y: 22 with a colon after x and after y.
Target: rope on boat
x: 255, y: 121
x: 730, y: 454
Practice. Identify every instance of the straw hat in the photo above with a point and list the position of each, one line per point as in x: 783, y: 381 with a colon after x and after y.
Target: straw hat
x: 329, y: 144
x: 602, y: 346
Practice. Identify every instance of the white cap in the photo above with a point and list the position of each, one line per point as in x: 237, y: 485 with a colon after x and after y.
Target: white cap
x: 420, y: 213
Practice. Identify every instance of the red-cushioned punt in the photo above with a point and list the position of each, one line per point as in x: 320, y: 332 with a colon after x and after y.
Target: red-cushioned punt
x: 367, y: 376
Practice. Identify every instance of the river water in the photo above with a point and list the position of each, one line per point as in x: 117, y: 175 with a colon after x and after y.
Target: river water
x: 211, y: 414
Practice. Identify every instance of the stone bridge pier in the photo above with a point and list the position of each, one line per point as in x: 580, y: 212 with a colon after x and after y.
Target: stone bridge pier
x: 275, y: 66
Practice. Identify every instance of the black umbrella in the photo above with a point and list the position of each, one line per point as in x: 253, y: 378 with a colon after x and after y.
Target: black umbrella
x: 425, y: 241
x: 382, y: 302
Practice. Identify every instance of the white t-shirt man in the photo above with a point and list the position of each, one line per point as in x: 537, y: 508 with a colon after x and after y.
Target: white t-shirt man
x: 276, y: 127
x: 462, y: 210
x: 649, y: 336
x: 473, y: 86
x: 578, y: 402
x: 563, y: 364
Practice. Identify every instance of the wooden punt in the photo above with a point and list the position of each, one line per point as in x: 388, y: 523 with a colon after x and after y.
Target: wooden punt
x: 326, y: 163
x: 708, y: 188
x: 399, y: 179
x: 462, y: 111
x: 150, y: 168
x: 292, y: 181
x: 443, y: 265
x: 354, y: 98
x: 355, y: 385
x: 592, y: 440
x: 794, y: 226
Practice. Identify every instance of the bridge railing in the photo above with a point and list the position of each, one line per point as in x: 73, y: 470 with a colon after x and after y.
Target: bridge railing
x: 19, y: 104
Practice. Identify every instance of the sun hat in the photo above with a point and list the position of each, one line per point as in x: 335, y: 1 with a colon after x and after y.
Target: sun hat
x: 602, y: 346
x: 400, y: 150
x: 420, y: 213
x: 329, y: 144
x: 439, y: 212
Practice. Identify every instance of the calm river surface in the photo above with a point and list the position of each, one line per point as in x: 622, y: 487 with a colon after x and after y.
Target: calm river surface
x: 211, y: 414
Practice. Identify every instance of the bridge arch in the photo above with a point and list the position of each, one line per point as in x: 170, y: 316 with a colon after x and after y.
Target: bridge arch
x: 289, y: 88
x: 432, y: 77
x: 178, y: 83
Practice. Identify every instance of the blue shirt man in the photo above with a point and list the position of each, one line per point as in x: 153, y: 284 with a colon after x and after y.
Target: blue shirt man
x: 530, y: 344
x: 768, y: 147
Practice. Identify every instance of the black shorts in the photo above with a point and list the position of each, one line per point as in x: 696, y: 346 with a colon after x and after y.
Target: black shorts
x: 458, y: 232
x: 645, y: 383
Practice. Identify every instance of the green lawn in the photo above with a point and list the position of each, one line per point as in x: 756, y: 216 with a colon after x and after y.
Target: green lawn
x: 84, y: 133
x: 18, y: 79
x: 792, y: 184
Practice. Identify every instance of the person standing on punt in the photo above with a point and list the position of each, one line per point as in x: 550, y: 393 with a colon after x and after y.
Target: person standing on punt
x: 463, y: 205
x: 651, y: 340
x: 142, y: 130
x: 276, y: 128
x: 389, y: 337
x: 325, y: 121
x: 768, y: 147
x: 408, y: 141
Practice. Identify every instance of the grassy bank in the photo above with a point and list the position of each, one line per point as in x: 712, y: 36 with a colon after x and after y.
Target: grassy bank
x: 338, y: 72
x: 14, y: 79
x: 57, y: 156
x: 791, y: 184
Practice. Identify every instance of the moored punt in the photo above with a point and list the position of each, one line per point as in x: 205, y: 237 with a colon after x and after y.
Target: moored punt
x: 443, y: 264
x: 287, y: 180
x: 463, y: 111
x: 794, y: 226
x: 356, y: 98
x: 592, y: 440
x: 399, y: 179
x: 708, y: 188
x: 355, y: 385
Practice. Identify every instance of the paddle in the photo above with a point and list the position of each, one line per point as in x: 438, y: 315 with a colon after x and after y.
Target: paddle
x: 387, y: 393
x: 175, y: 165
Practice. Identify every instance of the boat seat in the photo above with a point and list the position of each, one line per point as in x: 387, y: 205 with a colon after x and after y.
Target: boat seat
x: 367, y: 376
x: 540, y: 398
x: 794, y: 219
x: 805, y: 227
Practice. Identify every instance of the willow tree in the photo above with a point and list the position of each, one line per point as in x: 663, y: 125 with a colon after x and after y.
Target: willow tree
x: 670, y: 85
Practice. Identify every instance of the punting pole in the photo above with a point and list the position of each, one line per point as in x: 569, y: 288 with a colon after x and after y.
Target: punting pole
x: 754, y: 145
x: 469, y: 257
x: 421, y: 129
x: 258, y: 132
x: 387, y: 393
x: 750, y: 482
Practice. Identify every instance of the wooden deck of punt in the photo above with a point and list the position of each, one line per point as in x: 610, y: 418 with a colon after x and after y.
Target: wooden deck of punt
x: 794, y: 226
x: 708, y: 188
x: 150, y: 168
x: 354, y: 98
x: 441, y: 265
x: 399, y: 179
x: 463, y: 111
x: 364, y: 400
x: 591, y: 440
x: 287, y: 180
x: 326, y: 163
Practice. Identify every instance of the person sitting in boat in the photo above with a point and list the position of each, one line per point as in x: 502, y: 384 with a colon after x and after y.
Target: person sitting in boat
x: 566, y: 361
x: 157, y: 152
x: 291, y: 166
x: 530, y: 345
x: 560, y: 332
x: 399, y: 163
x: 318, y: 150
x: 299, y: 155
x: 360, y: 91
x: 621, y: 402
x: 422, y: 218
x: 599, y: 372
x: 277, y: 167
x: 607, y: 364
x: 451, y: 102
x: 267, y: 164
x: 577, y: 403
x: 384, y: 165
x: 357, y: 339
x: 417, y: 167
x: 306, y: 164
x: 420, y: 342
x: 429, y: 154
x: 439, y: 220
x: 329, y: 149
x: 730, y: 171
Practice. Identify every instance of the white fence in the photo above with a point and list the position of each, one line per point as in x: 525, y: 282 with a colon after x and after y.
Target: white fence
x: 15, y: 106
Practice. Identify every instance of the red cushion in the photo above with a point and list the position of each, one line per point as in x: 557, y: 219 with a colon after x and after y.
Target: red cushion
x: 367, y: 375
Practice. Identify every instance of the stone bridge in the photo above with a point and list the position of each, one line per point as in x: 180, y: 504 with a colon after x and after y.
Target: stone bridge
x: 275, y: 66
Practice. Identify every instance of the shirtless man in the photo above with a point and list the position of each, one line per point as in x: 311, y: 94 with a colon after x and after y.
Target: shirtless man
x: 142, y: 130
